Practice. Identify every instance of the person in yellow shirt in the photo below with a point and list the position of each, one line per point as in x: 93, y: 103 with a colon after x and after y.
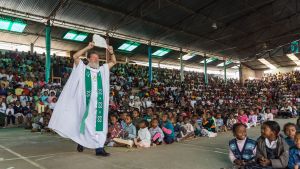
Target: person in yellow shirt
x: 40, y: 107
x: 29, y: 83
x: 18, y: 91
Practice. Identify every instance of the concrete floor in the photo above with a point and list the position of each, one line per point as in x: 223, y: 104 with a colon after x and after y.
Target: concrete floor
x: 21, y: 149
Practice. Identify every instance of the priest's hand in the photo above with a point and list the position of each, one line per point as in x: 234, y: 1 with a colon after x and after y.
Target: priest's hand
x: 81, y: 52
x: 110, y: 50
x: 91, y: 45
x: 112, y: 61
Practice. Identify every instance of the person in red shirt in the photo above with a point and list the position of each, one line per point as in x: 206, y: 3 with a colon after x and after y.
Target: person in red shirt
x: 114, y: 130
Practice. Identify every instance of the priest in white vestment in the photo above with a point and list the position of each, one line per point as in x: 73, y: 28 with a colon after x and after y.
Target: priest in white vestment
x: 81, y: 112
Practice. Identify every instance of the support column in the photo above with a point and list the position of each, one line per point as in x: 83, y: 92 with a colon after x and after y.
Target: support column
x: 107, y: 55
x: 48, y: 49
x: 150, y: 63
x: 181, y: 67
x: 31, y: 48
x: 241, y: 74
x: 225, y: 78
x: 205, y: 70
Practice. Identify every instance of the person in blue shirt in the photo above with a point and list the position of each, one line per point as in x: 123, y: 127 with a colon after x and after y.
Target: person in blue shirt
x: 294, y: 154
x: 44, y: 98
x: 290, y: 130
x: 168, y: 129
x: 127, y: 135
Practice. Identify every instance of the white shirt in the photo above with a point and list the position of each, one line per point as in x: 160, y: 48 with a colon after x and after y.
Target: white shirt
x: 144, y: 135
x: 189, y: 127
x: 10, y: 110
x: 2, y: 107
x: 52, y: 105
x: 41, y: 120
x: 272, y: 144
x: 9, y: 77
x: 269, y: 116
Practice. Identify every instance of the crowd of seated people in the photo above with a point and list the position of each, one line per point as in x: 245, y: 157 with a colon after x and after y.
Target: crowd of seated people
x: 25, y: 99
x: 144, y: 114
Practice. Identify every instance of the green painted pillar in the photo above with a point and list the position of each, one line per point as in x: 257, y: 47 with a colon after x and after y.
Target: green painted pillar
x: 205, y: 70
x: 225, y: 78
x: 48, y: 49
x: 150, y: 63
x: 181, y: 67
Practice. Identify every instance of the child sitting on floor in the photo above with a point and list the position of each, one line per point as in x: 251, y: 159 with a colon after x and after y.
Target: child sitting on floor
x: 156, y: 132
x: 168, y: 129
x: 242, y: 149
x: 220, y: 126
x: 114, y: 130
x: 269, y: 115
x: 208, y: 128
x: 144, y: 137
x: 196, y: 125
x: 187, y: 130
x: 243, y: 118
x: 294, y: 158
x: 289, y: 130
x: 208, y: 122
x: 127, y: 135
x: 252, y: 119
x: 231, y: 121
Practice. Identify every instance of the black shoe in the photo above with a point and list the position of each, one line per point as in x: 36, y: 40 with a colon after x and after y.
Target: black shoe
x: 79, y: 148
x: 101, y: 152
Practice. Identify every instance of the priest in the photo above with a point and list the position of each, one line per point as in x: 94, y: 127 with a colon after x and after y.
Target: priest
x: 81, y: 112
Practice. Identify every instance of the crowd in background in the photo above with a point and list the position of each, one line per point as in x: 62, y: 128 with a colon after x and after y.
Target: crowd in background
x: 144, y: 114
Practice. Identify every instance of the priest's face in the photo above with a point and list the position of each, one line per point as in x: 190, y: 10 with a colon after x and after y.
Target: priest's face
x: 94, y: 61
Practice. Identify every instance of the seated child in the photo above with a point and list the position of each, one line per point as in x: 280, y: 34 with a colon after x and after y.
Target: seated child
x: 220, y: 126
x: 136, y: 119
x: 294, y: 158
x: 269, y: 115
x: 144, y: 137
x: 10, y: 115
x: 262, y: 116
x: 37, y: 122
x: 208, y: 126
x: 127, y: 135
x: 196, y: 125
x: 187, y: 130
x: 243, y: 118
x: 242, y: 149
x: 123, y: 119
x: 252, y: 119
x: 177, y: 125
x: 289, y: 130
x: 114, y: 130
x: 168, y: 129
x: 156, y: 132
x: 231, y: 121
x: 272, y: 151
x: 209, y: 123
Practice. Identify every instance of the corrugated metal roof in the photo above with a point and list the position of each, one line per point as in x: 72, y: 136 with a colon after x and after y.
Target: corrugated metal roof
x: 243, y: 27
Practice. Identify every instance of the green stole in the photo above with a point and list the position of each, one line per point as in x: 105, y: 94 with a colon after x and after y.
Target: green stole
x: 100, y: 104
